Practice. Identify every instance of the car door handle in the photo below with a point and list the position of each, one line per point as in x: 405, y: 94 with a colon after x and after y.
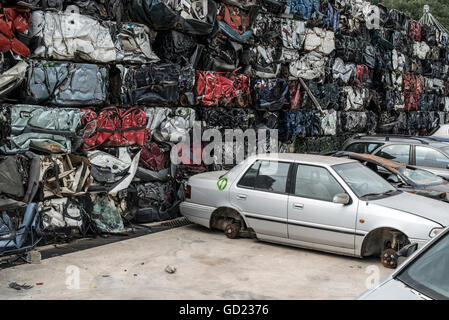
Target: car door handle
x: 299, y: 206
x: 241, y: 196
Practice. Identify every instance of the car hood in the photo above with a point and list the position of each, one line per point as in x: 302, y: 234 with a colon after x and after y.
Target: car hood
x: 417, y: 205
x: 391, y: 290
x: 439, y: 192
x: 438, y: 187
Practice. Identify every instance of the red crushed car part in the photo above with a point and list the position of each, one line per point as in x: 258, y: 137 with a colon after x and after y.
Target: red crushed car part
x: 414, y: 30
x: 362, y: 73
x: 5, y: 43
x: 153, y: 158
x: 234, y: 17
x: 411, y: 101
x: 222, y: 89
x: 295, y: 94
x: 114, y: 127
x: 13, y: 20
x: 409, y: 82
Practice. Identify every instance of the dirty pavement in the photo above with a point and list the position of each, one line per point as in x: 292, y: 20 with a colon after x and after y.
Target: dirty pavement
x: 208, y: 266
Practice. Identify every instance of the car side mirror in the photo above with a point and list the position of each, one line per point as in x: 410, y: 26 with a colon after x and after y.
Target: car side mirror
x: 393, y: 178
x: 407, y: 250
x: 341, y: 198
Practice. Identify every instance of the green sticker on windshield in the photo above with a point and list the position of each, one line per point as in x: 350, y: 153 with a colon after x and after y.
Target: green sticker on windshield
x: 222, y: 183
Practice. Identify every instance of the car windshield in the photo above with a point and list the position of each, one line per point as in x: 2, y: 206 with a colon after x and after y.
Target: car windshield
x: 445, y: 149
x: 421, y: 177
x: 428, y: 273
x: 363, y: 181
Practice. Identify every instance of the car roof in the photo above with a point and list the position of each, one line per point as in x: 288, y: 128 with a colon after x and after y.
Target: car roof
x: 306, y: 158
x: 398, y: 138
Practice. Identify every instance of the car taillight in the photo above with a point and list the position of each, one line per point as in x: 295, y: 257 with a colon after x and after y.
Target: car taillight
x: 188, y: 192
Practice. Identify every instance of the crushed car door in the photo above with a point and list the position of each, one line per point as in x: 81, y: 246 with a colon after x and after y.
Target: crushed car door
x: 313, y: 218
x: 261, y: 197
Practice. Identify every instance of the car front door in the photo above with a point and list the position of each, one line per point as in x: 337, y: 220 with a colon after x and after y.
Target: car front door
x: 261, y: 195
x: 432, y: 160
x: 313, y: 218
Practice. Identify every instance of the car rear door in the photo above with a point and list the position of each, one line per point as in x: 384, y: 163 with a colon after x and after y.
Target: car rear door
x: 261, y: 195
x: 313, y: 217
x: 396, y: 152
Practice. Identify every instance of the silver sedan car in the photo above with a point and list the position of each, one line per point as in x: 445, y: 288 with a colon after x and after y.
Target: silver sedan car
x: 317, y: 202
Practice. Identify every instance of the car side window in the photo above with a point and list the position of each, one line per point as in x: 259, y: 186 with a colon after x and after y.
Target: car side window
x: 272, y: 176
x: 363, y: 147
x: 249, y: 178
x: 316, y: 183
x: 428, y: 157
x: 397, y: 152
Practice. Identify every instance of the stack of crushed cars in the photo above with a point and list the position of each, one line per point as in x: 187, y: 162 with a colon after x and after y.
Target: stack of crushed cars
x: 96, y: 95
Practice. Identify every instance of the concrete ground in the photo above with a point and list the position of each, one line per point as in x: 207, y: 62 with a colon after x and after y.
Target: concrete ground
x: 209, y: 266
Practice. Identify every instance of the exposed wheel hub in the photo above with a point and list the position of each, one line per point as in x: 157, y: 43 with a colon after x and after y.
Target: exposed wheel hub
x: 232, y: 230
x: 389, y: 259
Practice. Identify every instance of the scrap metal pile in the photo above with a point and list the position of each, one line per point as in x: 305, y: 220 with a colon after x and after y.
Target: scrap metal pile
x: 95, y: 95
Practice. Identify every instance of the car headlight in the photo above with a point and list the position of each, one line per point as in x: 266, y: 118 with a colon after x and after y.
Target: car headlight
x: 434, y: 232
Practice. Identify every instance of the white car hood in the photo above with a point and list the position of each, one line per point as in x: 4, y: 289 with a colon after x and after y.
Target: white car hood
x: 435, y: 210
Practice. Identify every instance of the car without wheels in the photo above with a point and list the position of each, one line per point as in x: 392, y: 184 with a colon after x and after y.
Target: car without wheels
x: 317, y: 202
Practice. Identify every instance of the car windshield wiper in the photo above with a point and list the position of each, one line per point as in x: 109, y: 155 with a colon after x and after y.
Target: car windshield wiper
x: 378, y: 194
x: 371, y: 195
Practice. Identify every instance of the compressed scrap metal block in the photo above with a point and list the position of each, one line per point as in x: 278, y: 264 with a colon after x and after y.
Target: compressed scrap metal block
x: 114, y: 127
x: 17, y: 238
x: 11, y: 77
x: 71, y: 36
x: 271, y: 94
x: 266, y: 60
x: 171, y: 125
x: 20, y: 176
x: 61, y: 213
x: 191, y: 16
x: 306, y: 9
x: 154, y: 157
x: 66, y: 84
x: 164, y: 84
x: 106, y: 215
x: 293, y: 33
x: 235, y: 22
x: 320, y: 40
x: 329, y: 123
x: 156, y: 201
x: 222, y: 89
x: 225, y: 118
x: 41, y: 128
x: 311, y: 66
